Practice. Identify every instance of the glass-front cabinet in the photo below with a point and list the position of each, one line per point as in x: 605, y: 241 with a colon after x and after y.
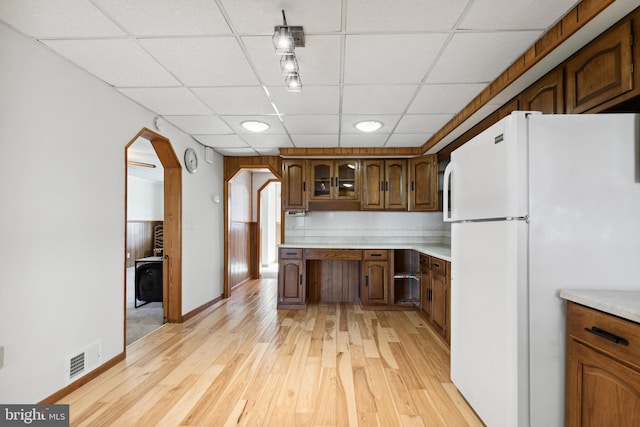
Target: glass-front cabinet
x: 334, y: 179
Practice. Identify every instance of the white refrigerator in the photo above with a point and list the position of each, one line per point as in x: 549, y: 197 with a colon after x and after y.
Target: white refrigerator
x: 537, y: 203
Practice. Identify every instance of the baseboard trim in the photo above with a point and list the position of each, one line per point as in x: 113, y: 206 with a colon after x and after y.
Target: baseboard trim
x: 200, y: 309
x: 82, y: 381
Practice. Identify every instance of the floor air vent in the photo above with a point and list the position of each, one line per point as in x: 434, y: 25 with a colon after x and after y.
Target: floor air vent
x: 85, y: 360
x: 76, y: 365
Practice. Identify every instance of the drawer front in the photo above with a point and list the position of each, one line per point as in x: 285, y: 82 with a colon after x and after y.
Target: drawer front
x: 290, y: 253
x: 438, y: 265
x: 372, y: 254
x: 424, y: 262
x: 601, y: 330
x: 334, y: 254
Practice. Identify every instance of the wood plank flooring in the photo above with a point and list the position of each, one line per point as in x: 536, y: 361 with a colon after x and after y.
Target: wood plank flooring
x: 243, y: 362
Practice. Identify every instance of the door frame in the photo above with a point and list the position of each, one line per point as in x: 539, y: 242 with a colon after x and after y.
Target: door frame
x: 259, y: 218
x: 172, y: 254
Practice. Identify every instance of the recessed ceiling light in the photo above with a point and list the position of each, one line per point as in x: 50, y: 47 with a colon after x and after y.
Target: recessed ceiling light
x: 368, y: 125
x: 255, y: 126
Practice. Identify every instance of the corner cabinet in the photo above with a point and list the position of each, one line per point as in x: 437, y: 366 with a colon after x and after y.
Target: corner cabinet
x: 375, y: 273
x: 294, y: 188
x: 603, y: 369
x: 423, y: 183
x: 384, y: 184
x: 291, y: 278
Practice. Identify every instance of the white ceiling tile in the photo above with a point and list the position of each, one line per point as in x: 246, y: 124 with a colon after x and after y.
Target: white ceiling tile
x: 119, y: 62
x: 311, y: 124
x: 444, y: 98
x: 166, y: 17
x: 403, y: 15
x: 167, y: 101
x: 422, y: 123
x: 235, y: 100
x: 262, y: 142
x: 349, y: 122
x: 264, y: 59
x: 312, y: 100
x: 393, y: 58
x: 236, y: 151
x: 268, y: 151
x: 198, y: 61
x: 58, y: 18
x: 260, y: 16
x: 275, y: 125
x: 229, y: 141
x: 200, y: 124
x: 480, y: 57
x: 390, y: 99
x: 515, y: 14
x: 363, y: 140
x: 311, y: 141
x: 407, y: 139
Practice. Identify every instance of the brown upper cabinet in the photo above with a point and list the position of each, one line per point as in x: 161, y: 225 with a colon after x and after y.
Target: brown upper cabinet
x: 545, y: 95
x: 384, y: 184
x: 294, y: 187
x: 423, y: 184
x: 334, y: 179
x: 602, y: 71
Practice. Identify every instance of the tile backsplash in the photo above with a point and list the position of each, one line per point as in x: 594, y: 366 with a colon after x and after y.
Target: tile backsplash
x: 367, y: 227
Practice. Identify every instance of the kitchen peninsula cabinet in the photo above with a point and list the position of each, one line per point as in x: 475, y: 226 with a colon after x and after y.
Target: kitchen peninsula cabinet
x: 375, y: 271
x: 291, y: 278
x: 603, y: 369
x: 435, y: 294
x: 384, y: 184
x: 294, y: 186
x: 423, y: 185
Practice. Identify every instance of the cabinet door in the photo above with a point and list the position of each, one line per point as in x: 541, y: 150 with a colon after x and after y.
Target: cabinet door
x: 373, y: 183
x: 600, y: 72
x: 321, y: 179
x: 346, y: 179
x: 396, y: 184
x: 294, y: 186
x: 600, y: 390
x: 439, y: 299
x: 546, y: 95
x: 423, y: 195
x: 375, y: 289
x: 291, y: 281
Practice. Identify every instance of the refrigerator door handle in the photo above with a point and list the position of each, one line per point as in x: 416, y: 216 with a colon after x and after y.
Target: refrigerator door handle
x: 445, y: 193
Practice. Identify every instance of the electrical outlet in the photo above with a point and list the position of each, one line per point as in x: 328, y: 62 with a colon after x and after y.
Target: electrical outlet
x: 1, y: 356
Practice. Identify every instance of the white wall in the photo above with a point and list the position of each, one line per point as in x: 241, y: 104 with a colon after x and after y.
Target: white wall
x: 145, y: 200
x: 62, y: 192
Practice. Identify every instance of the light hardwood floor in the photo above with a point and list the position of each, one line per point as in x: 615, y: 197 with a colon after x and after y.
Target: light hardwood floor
x: 243, y: 362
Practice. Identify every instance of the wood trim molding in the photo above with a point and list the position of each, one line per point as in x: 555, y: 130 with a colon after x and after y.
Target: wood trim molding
x: 55, y: 397
x: 577, y: 18
x: 202, y: 308
x: 351, y: 152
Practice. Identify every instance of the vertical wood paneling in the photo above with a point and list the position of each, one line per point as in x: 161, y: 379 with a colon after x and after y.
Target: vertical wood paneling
x: 139, y: 240
x: 242, y: 251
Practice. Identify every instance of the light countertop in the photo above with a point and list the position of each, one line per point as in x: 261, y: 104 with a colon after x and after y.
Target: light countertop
x: 437, y: 250
x: 624, y: 304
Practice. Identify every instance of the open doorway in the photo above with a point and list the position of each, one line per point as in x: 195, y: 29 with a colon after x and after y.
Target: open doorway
x: 270, y: 227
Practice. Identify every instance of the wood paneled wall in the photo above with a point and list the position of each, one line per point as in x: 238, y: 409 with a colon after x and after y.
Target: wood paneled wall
x: 139, y: 240
x: 242, y: 251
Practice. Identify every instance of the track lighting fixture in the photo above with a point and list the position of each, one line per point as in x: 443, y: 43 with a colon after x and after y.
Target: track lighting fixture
x: 285, y: 39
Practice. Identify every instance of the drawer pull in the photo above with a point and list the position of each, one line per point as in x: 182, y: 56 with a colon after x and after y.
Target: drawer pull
x: 607, y: 335
x: 376, y: 254
x: 292, y: 253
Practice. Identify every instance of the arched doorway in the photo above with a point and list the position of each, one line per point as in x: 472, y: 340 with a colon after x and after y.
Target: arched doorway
x: 172, y: 255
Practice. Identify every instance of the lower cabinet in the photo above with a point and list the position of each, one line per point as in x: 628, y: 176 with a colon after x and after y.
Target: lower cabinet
x: 603, y: 369
x: 435, y: 295
x: 375, y: 277
x: 291, y: 277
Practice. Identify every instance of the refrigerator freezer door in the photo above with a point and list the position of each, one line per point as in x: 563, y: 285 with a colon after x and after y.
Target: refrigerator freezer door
x: 489, y: 173
x: 489, y: 341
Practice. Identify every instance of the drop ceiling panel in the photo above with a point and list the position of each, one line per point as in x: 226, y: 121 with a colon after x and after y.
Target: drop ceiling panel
x: 349, y: 122
x: 169, y: 101
x: 393, y: 58
x: 263, y: 142
x: 311, y: 124
x: 166, y: 17
x: 275, y: 125
x: 405, y: 16
x: 215, y: 141
x: 444, y: 98
x: 260, y: 16
x: 312, y: 100
x: 360, y: 140
x: 314, y: 141
x: 422, y: 123
x: 58, y: 19
x: 377, y: 99
x: 199, y: 61
x: 235, y: 100
x: 480, y: 57
x: 514, y: 14
x: 119, y: 62
x: 200, y: 124
x: 408, y: 139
